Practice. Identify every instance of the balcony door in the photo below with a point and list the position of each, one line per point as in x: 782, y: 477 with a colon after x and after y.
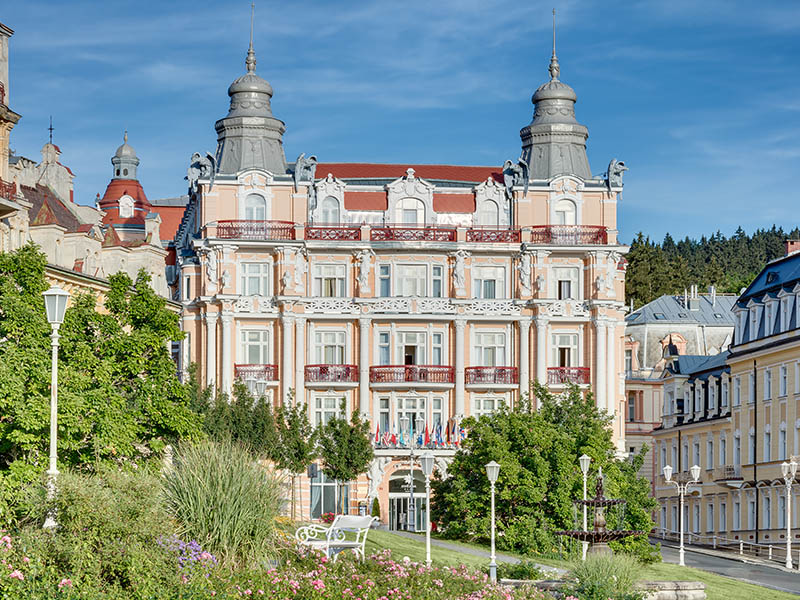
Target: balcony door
x: 255, y: 208
x: 490, y: 349
x: 411, y: 211
x: 330, y: 347
x: 565, y: 350
x: 411, y: 347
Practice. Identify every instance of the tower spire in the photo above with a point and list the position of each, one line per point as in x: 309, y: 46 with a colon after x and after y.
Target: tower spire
x: 50, y: 129
x: 555, y: 69
x: 250, y: 62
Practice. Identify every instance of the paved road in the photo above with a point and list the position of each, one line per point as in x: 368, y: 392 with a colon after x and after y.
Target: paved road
x: 760, y: 575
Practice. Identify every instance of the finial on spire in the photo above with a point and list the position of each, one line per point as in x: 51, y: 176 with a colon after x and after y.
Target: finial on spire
x: 250, y: 62
x: 555, y: 69
x: 51, y: 129
x: 125, y: 136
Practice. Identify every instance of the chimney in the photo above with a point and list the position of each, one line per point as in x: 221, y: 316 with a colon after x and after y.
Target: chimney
x: 694, y: 300
x: 712, y: 290
x: 792, y: 246
x: 152, y: 229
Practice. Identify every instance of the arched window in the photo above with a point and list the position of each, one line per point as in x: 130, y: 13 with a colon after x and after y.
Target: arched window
x: 565, y: 212
x: 330, y: 210
x: 411, y: 211
x: 126, y: 207
x: 255, y: 208
x: 489, y: 214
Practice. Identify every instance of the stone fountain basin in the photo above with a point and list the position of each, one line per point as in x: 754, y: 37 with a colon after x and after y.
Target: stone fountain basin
x: 599, y: 536
x: 654, y: 590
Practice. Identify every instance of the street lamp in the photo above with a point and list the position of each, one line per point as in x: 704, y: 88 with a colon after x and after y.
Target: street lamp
x: 407, y: 425
x: 789, y: 470
x: 55, y: 304
x: 584, y: 461
x: 682, y: 489
x: 492, y: 471
x: 426, y: 461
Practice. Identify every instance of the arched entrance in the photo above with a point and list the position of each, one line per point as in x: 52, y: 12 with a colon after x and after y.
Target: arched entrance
x: 399, y: 497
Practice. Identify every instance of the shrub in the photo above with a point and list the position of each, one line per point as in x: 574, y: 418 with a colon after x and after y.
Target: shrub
x: 604, y: 578
x: 327, y: 517
x: 525, y: 569
x: 376, y: 508
x: 225, y: 500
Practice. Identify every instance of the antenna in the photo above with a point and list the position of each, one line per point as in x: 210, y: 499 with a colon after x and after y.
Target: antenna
x: 250, y: 62
x: 252, y: 19
x: 554, y: 32
x: 51, y: 129
x: 555, y: 69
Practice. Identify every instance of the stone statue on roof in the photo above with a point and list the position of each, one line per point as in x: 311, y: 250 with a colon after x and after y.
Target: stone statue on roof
x: 200, y: 167
x: 614, y: 174
x: 515, y: 174
x: 304, y: 169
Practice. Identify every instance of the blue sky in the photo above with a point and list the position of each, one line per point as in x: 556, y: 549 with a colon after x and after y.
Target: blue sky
x: 701, y: 99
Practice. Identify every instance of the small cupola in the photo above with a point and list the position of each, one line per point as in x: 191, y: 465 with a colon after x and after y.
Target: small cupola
x: 125, y: 161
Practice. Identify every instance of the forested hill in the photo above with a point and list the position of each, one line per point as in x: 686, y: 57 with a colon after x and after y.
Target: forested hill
x: 729, y: 263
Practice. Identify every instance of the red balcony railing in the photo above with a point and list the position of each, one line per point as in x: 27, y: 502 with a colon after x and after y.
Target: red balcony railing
x: 494, y: 236
x: 333, y: 232
x: 411, y: 374
x: 569, y: 235
x: 331, y: 373
x: 492, y: 375
x: 561, y: 375
x: 255, y: 230
x: 7, y: 190
x: 412, y: 233
x: 261, y: 372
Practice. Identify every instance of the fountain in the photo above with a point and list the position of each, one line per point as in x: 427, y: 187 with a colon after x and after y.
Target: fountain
x: 599, y: 536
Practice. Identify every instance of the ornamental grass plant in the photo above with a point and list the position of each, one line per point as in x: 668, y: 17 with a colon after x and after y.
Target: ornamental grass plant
x: 224, y: 499
x: 605, y: 578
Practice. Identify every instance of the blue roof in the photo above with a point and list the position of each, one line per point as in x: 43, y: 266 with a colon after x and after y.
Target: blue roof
x: 671, y: 309
x: 780, y: 273
x: 692, y: 363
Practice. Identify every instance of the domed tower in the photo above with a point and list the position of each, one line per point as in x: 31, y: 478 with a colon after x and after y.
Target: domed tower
x: 125, y: 161
x: 555, y: 143
x: 124, y: 202
x: 250, y: 136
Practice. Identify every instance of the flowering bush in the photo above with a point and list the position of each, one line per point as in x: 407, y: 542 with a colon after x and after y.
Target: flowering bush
x: 327, y: 517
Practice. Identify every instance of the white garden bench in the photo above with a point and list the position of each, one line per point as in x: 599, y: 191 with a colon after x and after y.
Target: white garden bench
x: 332, y: 540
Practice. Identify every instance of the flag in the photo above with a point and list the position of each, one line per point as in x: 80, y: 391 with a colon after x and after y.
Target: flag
x: 394, y: 439
x: 386, y: 438
x: 447, y: 432
x: 455, y: 434
x: 427, y: 437
x: 378, y: 434
x: 439, y: 440
x: 463, y: 434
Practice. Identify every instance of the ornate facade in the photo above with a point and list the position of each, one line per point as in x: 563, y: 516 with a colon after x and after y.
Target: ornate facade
x: 431, y: 291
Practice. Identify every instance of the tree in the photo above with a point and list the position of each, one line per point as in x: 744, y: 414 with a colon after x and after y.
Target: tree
x: 346, y: 449
x: 119, y: 395
x: 539, y: 477
x: 297, y: 441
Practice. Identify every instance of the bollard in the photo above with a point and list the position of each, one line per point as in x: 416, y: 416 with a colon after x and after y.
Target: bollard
x: 714, y: 541
x: 770, y: 551
x: 741, y: 547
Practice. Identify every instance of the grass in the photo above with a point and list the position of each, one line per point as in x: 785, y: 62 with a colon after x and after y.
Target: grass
x: 717, y: 586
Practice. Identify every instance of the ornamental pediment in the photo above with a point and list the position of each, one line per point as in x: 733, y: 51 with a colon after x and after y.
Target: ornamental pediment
x: 566, y: 185
x: 254, y: 178
x: 410, y: 186
x: 330, y: 186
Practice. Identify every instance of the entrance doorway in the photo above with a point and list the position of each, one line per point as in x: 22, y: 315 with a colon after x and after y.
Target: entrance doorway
x: 399, y: 497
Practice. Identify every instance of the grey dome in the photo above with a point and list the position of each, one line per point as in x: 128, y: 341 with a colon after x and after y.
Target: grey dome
x: 125, y: 150
x: 124, y: 161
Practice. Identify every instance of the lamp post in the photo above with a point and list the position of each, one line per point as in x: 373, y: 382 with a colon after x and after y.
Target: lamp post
x: 426, y: 461
x: 407, y: 425
x: 789, y: 471
x: 492, y: 471
x: 55, y: 304
x: 584, y: 461
x: 682, y: 489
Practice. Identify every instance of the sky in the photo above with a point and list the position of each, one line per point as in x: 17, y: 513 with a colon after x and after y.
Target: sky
x: 700, y: 99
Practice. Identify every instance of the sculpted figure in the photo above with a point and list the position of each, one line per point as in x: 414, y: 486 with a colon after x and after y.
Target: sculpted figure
x: 300, y: 268
x: 540, y: 282
x: 226, y: 279
x: 459, y: 272
x: 524, y: 269
x: 200, y: 167
x: 515, y: 174
x: 364, y: 263
x: 286, y: 278
x: 614, y: 174
x: 304, y: 169
x: 211, y: 267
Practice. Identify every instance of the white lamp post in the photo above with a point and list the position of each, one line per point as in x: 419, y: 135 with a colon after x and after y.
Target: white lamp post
x: 789, y: 471
x: 682, y: 489
x: 407, y: 425
x: 426, y: 461
x: 584, y: 461
x: 55, y: 303
x: 492, y: 471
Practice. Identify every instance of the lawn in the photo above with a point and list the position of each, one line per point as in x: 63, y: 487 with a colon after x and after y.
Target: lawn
x: 717, y: 586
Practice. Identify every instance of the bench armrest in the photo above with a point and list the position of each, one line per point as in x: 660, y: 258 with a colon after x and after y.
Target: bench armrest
x: 310, y: 533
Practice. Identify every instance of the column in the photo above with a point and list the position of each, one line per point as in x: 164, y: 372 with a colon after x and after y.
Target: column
x: 211, y: 349
x: 612, y: 378
x: 524, y: 356
x: 461, y: 325
x: 300, y: 359
x: 364, y: 325
x: 227, y: 362
x: 600, y: 364
x: 287, y: 368
x: 541, y: 349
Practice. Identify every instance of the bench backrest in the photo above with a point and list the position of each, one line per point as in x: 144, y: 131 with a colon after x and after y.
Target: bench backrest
x: 359, y: 525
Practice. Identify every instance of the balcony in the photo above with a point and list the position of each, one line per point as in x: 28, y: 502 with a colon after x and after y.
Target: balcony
x: 255, y: 230
x: 424, y: 376
x: 411, y: 233
x: 8, y: 190
x: 494, y: 377
x: 256, y: 372
x: 568, y: 375
x: 341, y: 376
x: 730, y: 475
x: 569, y: 235
x: 494, y: 236
x: 348, y: 233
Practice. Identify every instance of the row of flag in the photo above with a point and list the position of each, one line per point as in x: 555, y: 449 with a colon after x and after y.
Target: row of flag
x: 453, y: 434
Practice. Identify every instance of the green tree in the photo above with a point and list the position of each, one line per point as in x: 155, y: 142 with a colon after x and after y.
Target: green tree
x: 297, y: 442
x: 119, y: 395
x: 539, y: 475
x: 346, y: 449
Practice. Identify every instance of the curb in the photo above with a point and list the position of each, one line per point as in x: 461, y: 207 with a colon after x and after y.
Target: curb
x: 749, y: 560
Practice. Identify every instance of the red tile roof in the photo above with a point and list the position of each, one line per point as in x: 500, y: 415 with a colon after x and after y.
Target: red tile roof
x: 47, y: 209
x: 454, y: 203
x: 119, y: 187
x: 170, y: 219
x: 395, y: 171
x: 365, y: 200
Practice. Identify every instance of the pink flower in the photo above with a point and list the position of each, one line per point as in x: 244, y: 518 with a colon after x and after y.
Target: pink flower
x: 25, y: 559
x: 248, y: 591
x: 318, y: 584
x: 66, y: 582
x: 17, y: 574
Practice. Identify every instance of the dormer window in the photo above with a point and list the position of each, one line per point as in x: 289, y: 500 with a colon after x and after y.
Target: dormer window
x: 255, y: 208
x: 126, y: 207
x: 330, y: 210
x: 772, y: 276
x: 565, y: 213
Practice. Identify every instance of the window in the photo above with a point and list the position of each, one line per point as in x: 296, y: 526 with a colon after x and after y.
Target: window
x: 663, y: 517
x: 330, y: 347
x: 751, y: 514
x: 767, y: 384
x: 490, y: 349
x: 737, y: 390
x: 675, y: 457
x: 329, y: 281
x: 384, y: 281
x: 411, y: 211
x: 255, y: 208
x: 489, y: 214
x: 737, y: 450
x: 723, y: 517
x: 712, y: 395
x: 410, y: 280
x: 767, y: 511
x: 437, y: 281
x: 565, y: 350
x: 437, y: 414
x: 685, y: 457
x: 675, y: 524
x: 411, y: 408
x: 437, y: 349
x: 782, y: 442
x: 325, y: 408
x: 710, y: 517
x: 737, y: 516
x: 631, y: 407
x: 709, y: 454
x: 330, y: 210
x: 323, y: 495
x: 565, y: 213
x: 725, y: 391
x: 254, y: 279
x: 485, y: 405
x: 723, y: 451
x: 567, y: 281
x: 187, y: 288
x: 411, y: 347
x: 126, y: 207
x: 628, y: 362
x: 785, y: 314
x: 753, y: 323
x: 797, y: 378
x: 384, y: 350
x: 752, y: 386
x: 784, y: 381
x: 781, y: 511
x: 698, y: 397
x: 255, y: 347
x: 383, y: 414
x: 751, y: 453
x: 488, y: 282
x: 767, y: 452
x: 696, y: 453
x: 696, y: 519
x: 663, y: 457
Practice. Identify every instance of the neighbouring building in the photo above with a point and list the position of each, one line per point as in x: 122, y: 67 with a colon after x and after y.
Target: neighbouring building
x: 736, y: 415
x: 431, y: 291
x: 10, y: 205
x: 688, y: 324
